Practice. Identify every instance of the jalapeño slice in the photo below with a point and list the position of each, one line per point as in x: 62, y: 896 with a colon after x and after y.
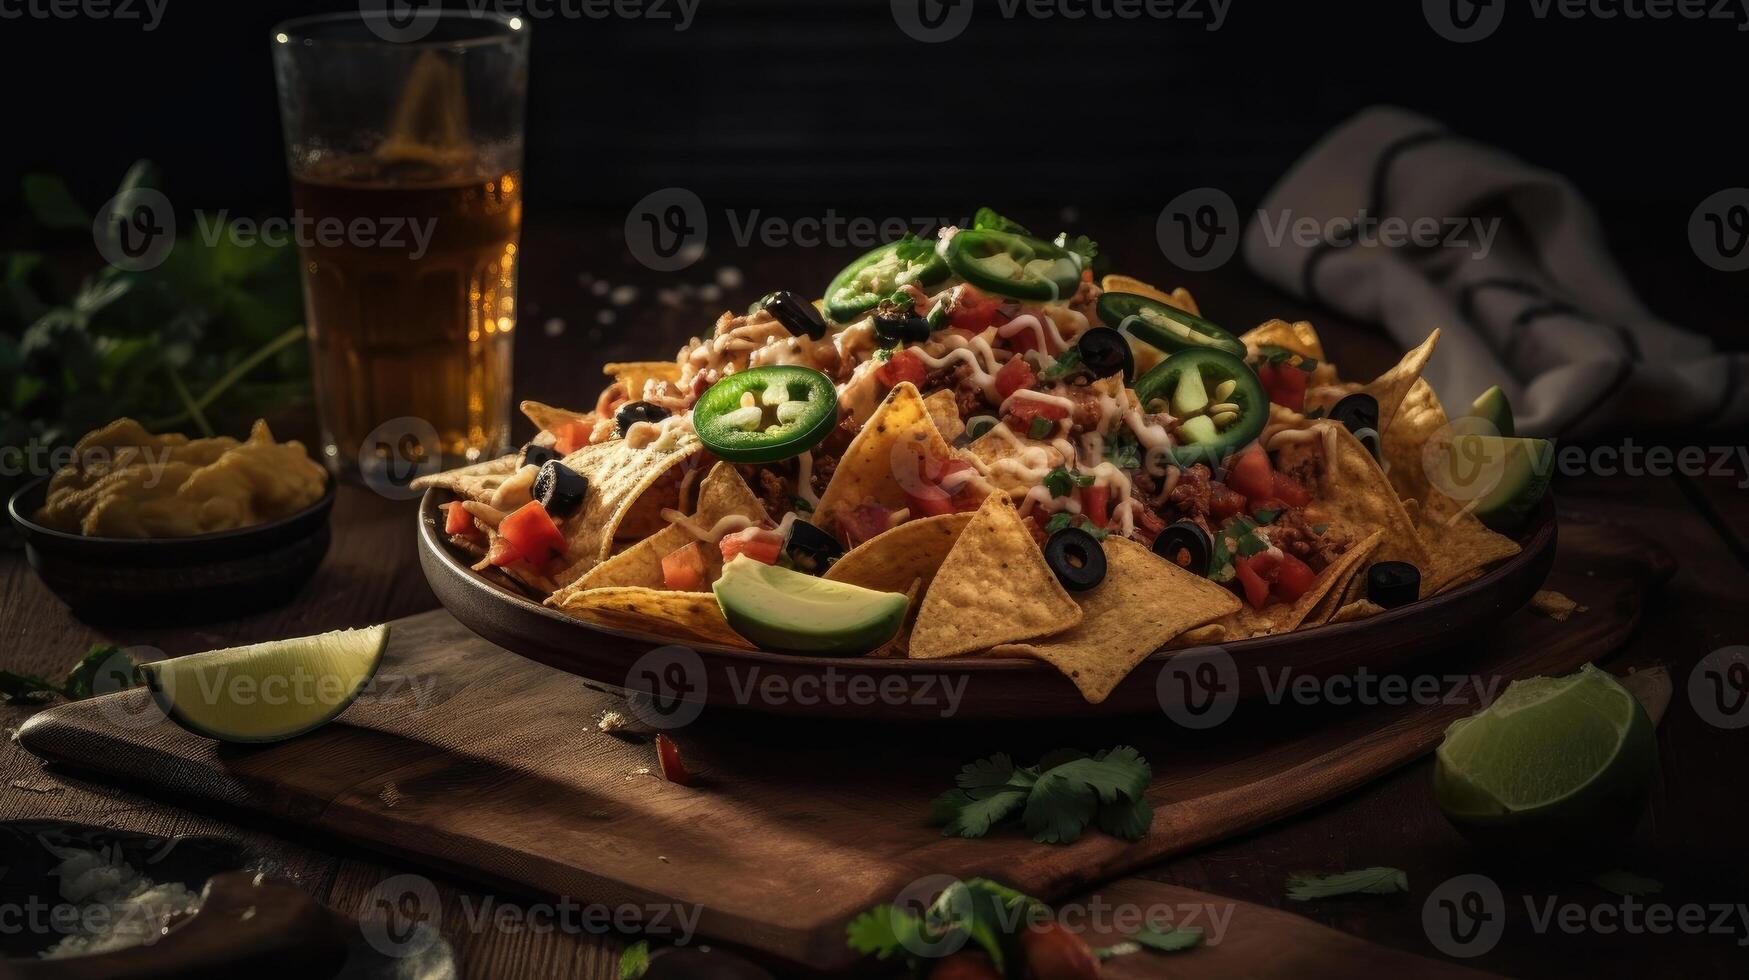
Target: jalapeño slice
x: 1217, y: 399
x: 765, y: 414
x: 1014, y: 266
x: 1166, y: 327
x: 875, y: 276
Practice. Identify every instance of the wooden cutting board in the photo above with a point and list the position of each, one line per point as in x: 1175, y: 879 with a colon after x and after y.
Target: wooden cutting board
x: 491, y: 766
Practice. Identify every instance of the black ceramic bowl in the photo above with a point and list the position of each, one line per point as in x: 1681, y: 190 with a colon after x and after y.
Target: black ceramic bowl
x: 174, y: 580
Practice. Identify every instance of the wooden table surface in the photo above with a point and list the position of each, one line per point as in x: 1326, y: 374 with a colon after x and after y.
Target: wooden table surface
x: 1692, y: 839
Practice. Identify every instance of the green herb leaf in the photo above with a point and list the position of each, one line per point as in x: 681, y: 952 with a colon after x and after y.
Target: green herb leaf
x: 883, y: 931
x: 635, y: 961
x: 1081, y: 245
x: 1126, y: 820
x: 885, y: 353
x: 1123, y: 451
x: 1059, y: 808
x: 800, y: 505
x: 979, y: 810
x: 1306, y: 886
x: 1040, y: 427
x: 1266, y: 515
x: 1061, y: 519
x: 103, y: 669
x: 1063, y: 365
x: 997, y: 770
x: 24, y: 688
x: 1168, y: 941
x: 1059, y: 482
x: 988, y: 220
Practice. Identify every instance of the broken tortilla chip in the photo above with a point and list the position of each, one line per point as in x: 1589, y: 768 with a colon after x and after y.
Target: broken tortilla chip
x: 618, y: 475
x: 883, y: 457
x: 1356, y: 610
x: 993, y: 588
x: 1144, y: 602
x: 722, y: 493
x: 549, y: 419
x: 1300, y: 337
x: 677, y: 617
x: 1390, y: 388
x: 910, y: 552
x: 1352, y: 490
x: 944, y: 411
x: 634, y: 375
x: 476, y: 482
x: 1283, y: 617
x: 1009, y: 461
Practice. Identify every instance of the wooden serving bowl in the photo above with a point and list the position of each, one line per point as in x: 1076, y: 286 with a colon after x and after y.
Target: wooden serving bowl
x: 989, y: 687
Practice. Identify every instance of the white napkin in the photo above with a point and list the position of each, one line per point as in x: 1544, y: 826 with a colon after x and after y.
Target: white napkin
x: 1520, y: 281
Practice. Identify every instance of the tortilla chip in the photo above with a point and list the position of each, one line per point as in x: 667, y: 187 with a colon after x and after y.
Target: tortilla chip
x: 1201, y: 636
x: 1458, y: 543
x: 634, y: 375
x: 995, y: 446
x: 721, y: 494
x: 1341, y: 593
x: 1390, y: 388
x: 912, y: 551
x: 1299, y: 337
x: 550, y: 419
x: 944, y: 411
x: 883, y: 455
x: 679, y: 617
x: 1282, y: 617
x: 1143, y: 602
x: 1351, y: 490
x: 618, y: 476
x: 476, y: 482
x: 1357, y: 610
x: 993, y: 588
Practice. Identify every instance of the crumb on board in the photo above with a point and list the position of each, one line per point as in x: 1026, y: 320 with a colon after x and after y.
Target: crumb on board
x: 1555, y: 605
x: 610, y: 721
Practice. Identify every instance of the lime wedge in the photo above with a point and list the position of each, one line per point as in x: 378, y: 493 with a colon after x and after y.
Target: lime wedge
x: 267, y: 691
x: 1553, y: 763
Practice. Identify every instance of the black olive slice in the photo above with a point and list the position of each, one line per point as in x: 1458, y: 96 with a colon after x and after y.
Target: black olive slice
x: 560, y: 489
x: 1393, y: 583
x: 1076, y: 559
x: 535, y: 454
x: 901, y: 329
x: 810, y: 549
x: 1186, y: 545
x: 797, y: 315
x: 1359, y: 413
x: 1106, y: 352
x: 631, y: 413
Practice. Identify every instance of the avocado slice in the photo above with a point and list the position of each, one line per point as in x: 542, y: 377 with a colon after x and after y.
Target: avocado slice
x: 790, y: 612
x: 1525, y: 467
x: 1492, y: 406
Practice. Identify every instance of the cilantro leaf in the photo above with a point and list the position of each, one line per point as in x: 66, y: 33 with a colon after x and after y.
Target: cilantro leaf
x: 978, y: 813
x: 1065, y: 364
x: 1267, y: 515
x: 1126, y: 821
x: 883, y: 931
x: 1307, y: 886
x: 104, y: 668
x: 1040, y: 427
x: 635, y: 961
x: 24, y: 688
x: 987, y: 219
x: 1061, y: 519
x: 1059, y: 808
x: 1059, y: 482
x: 994, y: 771
x: 1081, y: 245
x: 1169, y: 941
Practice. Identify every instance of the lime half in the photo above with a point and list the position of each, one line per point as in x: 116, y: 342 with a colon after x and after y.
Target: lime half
x: 1553, y: 763
x: 267, y: 691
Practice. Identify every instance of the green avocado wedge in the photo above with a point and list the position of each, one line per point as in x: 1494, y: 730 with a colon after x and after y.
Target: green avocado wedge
x: 1519, y: 470
x: 791, y: 612
x: 267, y: 692
x: 1492, y: 407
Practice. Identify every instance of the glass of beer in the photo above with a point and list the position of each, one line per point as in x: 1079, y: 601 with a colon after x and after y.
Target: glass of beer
x: 404, y: 136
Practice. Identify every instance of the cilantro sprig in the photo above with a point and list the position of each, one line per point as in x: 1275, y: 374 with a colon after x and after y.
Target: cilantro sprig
x: 102, y: 663
x: 1307, y: 886
x: 1055, y: 800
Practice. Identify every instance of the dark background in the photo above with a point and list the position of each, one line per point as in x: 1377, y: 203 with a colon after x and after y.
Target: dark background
x: 795, y: 105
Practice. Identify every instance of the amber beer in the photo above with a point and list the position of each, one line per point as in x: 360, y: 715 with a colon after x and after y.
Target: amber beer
x: 415, y: 318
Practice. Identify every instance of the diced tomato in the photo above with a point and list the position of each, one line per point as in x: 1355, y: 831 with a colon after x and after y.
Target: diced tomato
x: 1224, y: 503
x: 757, y: 543
x: 571, y: 436
x: 532, y: 533
x: 1023, y: 410
x: 973, y: 311
x: 1285, y: 383
x: 668, y: 757
x: 1293, y: 578
x: 902, y: 366
x: 1023, y: 341
x: 862, y: 522
x: 683, y: 568
x: 1251, y: 474
x: 928, y: 497
x: 457, y: 520
x: 1095, y: 503
x: 502, y: 553
x: 1255, y: 586
x: 1290, y: 492
x: 1014, y: 376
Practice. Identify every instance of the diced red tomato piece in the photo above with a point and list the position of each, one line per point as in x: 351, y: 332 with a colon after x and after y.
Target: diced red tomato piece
x: 668, y: 757
x: 1224, y: 503
x: 902, y: 366
x: 502, y: 553
x: 1285, y: 383
x: 571, y: 436
x: 1293, y: 578
x: 1014, y: 376
x: 457, y: 520
x: 973, y: 311
x: 932, y: 492
x: 1255, y: 586
x: 532, y: 533
x: 1024, y: 410
x: 862, y: 522
x: 1249, y: 473
x: 1095, y: 504
x: 758, y: 543
x: 1290, y: 492
x: 683, y: 568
